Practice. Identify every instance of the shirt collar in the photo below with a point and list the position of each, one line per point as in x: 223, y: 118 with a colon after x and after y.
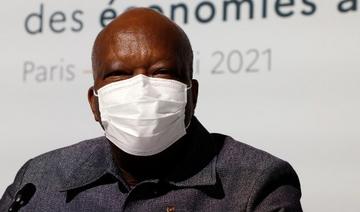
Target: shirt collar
x: 197, y: 169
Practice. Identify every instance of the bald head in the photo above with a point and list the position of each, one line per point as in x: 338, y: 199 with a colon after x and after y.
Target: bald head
x: 142, y: 37
x: 142, y: 41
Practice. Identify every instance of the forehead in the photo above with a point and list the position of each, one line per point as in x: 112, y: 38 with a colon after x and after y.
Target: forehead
x: 135, y: 47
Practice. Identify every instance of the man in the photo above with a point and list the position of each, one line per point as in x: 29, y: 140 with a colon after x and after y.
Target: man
x: 156, y: 155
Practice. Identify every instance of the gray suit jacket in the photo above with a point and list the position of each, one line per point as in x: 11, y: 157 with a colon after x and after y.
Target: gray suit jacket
x: 217, y: 173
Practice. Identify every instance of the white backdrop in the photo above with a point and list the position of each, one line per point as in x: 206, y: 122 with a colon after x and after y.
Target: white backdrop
x: 283, y: 77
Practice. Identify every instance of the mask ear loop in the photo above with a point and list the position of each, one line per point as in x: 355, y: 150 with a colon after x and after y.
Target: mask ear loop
x: 188, y: 125
x: 94, y: 92
x: 187, y: 89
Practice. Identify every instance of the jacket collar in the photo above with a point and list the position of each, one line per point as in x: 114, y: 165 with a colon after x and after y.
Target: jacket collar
x: 197, y: 169
x: 96, y: 164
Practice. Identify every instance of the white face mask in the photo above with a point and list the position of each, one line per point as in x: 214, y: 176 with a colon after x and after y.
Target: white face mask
x: 143, y: 115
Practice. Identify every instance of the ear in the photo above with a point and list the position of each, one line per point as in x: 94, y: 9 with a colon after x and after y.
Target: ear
x: 94, y: 104
x: 194, y: 92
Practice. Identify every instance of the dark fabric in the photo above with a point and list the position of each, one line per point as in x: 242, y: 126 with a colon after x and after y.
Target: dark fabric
x: 216, y: 173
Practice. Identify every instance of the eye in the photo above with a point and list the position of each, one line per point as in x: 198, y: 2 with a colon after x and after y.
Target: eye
x: 117, y: 75
x: 165, y: 73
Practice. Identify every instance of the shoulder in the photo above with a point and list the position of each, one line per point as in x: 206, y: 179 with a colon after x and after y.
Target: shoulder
x: 72, y: 155
x: 235, y: 154
x: 57, y: 165
x: 70, y: 152
x: 250, y: 162
x: 258, y: 177
x: 49, y: 171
